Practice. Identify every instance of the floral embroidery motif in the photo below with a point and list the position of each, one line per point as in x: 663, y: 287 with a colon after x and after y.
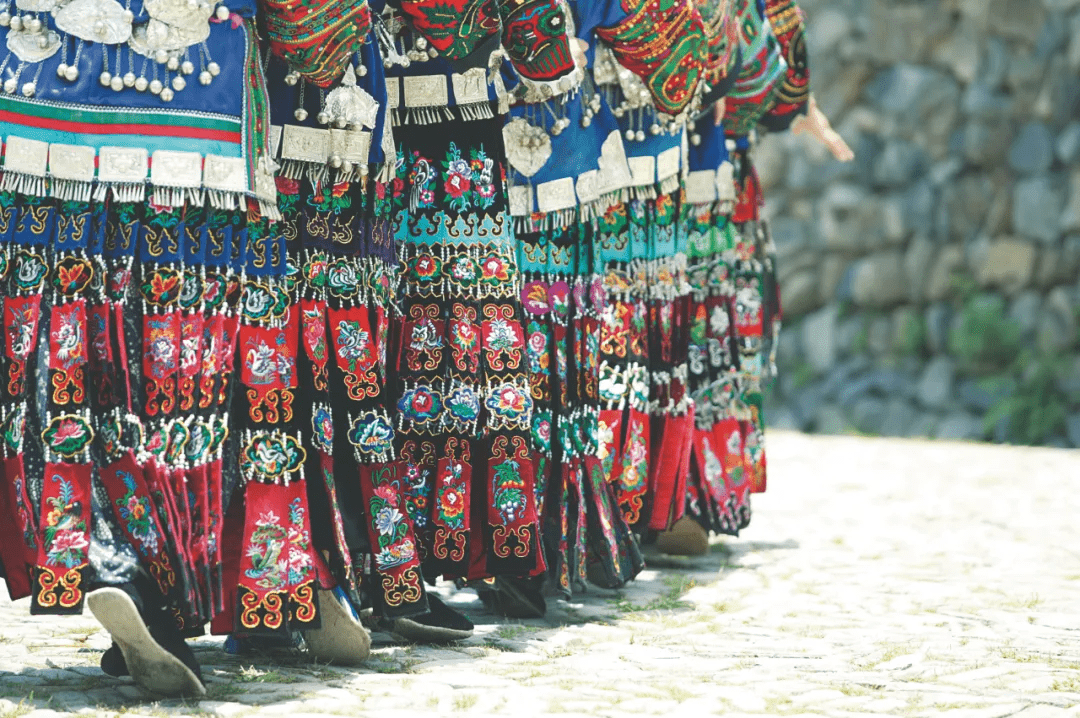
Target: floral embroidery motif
x: 162, y: 287
x: 395, y: 547
x: 136, y: 513
x: 503, y: 338
x: 508, y: 490
x: 354, y: 345
x: 469, y: 183
x: 73, y: 275
x: 66, y: 540
x: 465, y: 339
x: 268, y: 543
x: 424, y: 338
x: 372, y: 434
x: 509, y: 404
x: 322, y: 428
x: 68, y: 435
x: 451, y: 505
x: 463, y: 404
x: 420, y: 405
x: 272, y: 456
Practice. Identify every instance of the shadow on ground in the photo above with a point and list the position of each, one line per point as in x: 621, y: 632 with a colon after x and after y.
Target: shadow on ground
x: 71, y: 647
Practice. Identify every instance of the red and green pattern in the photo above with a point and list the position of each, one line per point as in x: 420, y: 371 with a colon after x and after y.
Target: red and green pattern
x: 664, y: 43
x: 316, y: 37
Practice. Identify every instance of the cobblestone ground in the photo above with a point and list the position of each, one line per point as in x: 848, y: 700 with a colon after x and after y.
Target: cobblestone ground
x: 880, y: 577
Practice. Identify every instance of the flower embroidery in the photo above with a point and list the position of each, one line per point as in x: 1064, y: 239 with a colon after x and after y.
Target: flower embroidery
x: 509, y: 402
x: 420, y: 404
x: 372, y: 434
x: 354, y: 345
x: 494, y: 269
x: 501, y: 336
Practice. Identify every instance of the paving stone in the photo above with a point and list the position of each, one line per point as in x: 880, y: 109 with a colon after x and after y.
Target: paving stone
x: 879, y: 577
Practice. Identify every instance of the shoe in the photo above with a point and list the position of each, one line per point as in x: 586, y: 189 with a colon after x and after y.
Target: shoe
x: 441, y: 624
x: 160, y: 662
x: 341, y: 639
x: 686, y: 538
x: 113, y: 663
x: 513, y: 598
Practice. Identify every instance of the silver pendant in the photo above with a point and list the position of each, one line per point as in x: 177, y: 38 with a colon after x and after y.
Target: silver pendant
x: 33, y: 46
x: 101, y: 21
x: 37, y: 5
x: 180, y: 13
x: 528, y: 147
x: 351, y: 104
x: 147, y: 39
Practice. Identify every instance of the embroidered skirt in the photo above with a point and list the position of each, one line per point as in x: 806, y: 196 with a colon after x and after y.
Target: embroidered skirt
x: 585, y: 534
x: 645, y: 412
x: 463, y: 404
x: 119, y: 325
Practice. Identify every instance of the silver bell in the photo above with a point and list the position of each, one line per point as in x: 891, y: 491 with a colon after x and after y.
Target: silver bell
x: 300, y: 114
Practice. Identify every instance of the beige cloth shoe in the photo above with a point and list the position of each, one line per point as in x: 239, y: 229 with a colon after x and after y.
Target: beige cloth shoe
x: 686, y: 538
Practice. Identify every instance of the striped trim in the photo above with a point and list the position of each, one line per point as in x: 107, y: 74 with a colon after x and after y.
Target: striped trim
x: 83, y: 120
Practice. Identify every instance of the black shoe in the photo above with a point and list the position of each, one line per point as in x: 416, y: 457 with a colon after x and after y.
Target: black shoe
x: 441, y: 624
x: 157, y: 656
x: 113, y: 663
x: 513, y: 598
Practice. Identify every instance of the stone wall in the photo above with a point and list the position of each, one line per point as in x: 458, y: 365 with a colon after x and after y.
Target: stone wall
x: 932, y: 287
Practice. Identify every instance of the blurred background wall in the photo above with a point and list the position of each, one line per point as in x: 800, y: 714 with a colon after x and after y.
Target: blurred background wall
x: 932, y: 287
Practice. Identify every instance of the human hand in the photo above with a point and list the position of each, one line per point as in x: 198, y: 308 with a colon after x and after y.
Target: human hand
x: 817, y: 125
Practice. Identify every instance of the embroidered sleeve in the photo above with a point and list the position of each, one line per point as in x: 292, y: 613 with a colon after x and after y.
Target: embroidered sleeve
x: 793, y: 91
x: 722, y: 59
x: 536, y: 37
x: 455, y: 28
x: 763, y: 69
x: 316, y: 37
x: 663, y: 42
